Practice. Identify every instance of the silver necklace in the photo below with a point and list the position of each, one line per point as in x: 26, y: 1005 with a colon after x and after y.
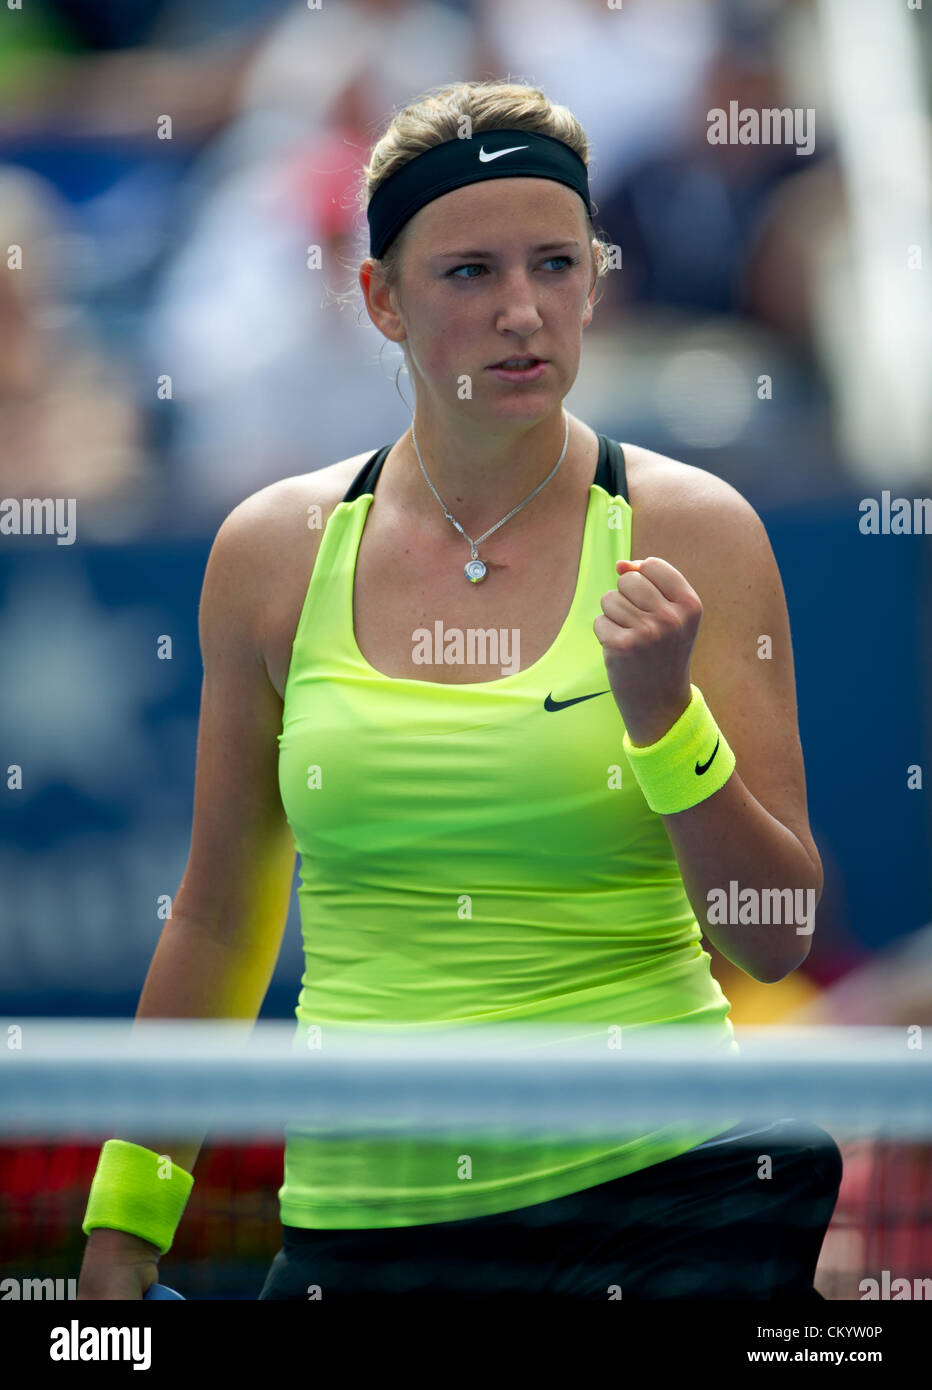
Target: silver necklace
x: 475, y: 570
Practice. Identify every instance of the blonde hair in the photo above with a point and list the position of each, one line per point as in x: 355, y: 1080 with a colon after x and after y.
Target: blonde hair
x: 440, y: 114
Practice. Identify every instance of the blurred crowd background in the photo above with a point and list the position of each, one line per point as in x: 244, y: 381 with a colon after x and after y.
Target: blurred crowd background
x: 150, y: 260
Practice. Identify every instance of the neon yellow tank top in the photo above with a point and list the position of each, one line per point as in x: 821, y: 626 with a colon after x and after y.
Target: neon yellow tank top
x: 475, y: 853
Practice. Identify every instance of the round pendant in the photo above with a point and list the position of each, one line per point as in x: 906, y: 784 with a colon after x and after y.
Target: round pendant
x: 475, y: 571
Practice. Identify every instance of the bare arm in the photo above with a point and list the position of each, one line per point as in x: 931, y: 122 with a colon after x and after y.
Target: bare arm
x: 217, y: 952
x: 754, y: 832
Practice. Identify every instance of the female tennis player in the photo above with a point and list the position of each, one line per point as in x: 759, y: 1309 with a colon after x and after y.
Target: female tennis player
x: 479, y: 699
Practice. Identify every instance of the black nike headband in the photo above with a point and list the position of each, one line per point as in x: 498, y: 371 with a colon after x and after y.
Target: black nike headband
x: 490, y: 154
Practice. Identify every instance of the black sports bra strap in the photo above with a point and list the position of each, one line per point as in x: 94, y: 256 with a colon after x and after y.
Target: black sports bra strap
x: 367, y: 476
x: 610, y: 471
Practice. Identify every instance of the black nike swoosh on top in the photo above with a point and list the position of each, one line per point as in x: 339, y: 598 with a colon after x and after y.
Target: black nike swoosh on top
x: 704, y: 767
x: 552, y: 704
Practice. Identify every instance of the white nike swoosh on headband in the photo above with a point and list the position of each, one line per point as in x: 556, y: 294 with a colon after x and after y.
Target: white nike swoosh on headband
x: 484, y: 158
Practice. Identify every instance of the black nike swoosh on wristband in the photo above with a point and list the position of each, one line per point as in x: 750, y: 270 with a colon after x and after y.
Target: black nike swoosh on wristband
x: 704, y: 767
x: 552, y: 704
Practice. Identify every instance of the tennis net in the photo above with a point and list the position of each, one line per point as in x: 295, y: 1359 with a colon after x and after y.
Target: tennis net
x: 70, y: 1085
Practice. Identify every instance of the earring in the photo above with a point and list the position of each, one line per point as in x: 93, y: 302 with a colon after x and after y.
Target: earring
x: 401, y: 365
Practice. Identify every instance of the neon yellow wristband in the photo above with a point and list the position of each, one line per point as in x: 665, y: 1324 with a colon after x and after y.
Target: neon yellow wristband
x: 128, y: 1194
x: 690, y: 762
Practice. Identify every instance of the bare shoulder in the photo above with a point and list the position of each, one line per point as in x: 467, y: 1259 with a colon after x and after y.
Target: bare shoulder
x: 264, y: 553
x: 656, y: 482
x: 686, y: 514
x: 278, y: 528
x: 277, y: 508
